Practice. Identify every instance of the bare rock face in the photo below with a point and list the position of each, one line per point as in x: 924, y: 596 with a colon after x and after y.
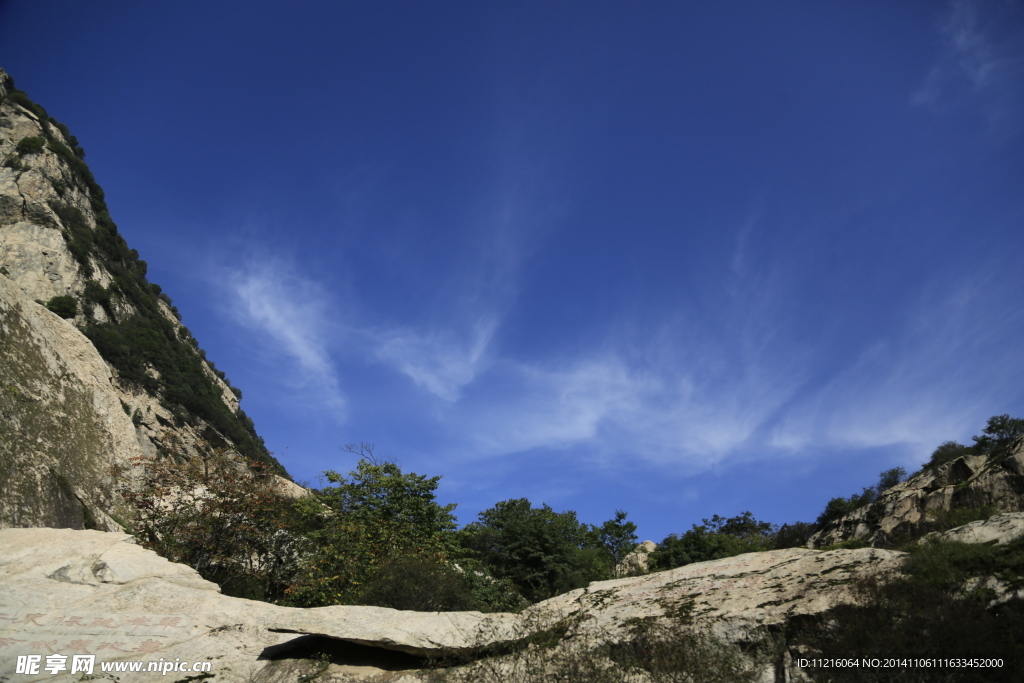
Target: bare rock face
x: 997, y: 529
x: 741, y: 600
x: 61, y: 422
x: 908, y: 509
x: 636, y: 562
x: 86, y: 592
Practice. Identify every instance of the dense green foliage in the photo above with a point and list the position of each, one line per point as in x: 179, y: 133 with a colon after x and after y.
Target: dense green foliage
x: 716, y: 538
x: 794, y: 535
x: 1000, y: 433
x: 136, y: 337
x: 948, y: 451
x: 544, y: 552
x: 31, y: 145
x: 139, y: 343
x: 366, y: 521
x: 65, y: 306
x: 375, y: 536
x: 617, y: 538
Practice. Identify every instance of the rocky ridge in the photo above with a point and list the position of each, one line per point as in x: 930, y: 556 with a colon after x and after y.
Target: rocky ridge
x: 913, y: 507
x: 70, y: 408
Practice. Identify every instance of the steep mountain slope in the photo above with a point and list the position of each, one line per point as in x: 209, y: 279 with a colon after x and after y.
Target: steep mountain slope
x: 120, y: 376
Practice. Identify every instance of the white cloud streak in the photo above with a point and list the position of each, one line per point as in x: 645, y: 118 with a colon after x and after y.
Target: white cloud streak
x: 440, y: 362
x: 978, y: 65
x: 291, y: 312
x: 930, y: 381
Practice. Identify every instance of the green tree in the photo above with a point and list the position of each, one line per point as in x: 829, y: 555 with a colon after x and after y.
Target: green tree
x: 890, y: 478
x: 716, y: 538
x: 543, y: 552
x: 617, y: 537
x: 795, y: 535
x: 1000, y: 432
x: 368, y: 519
x: 65, y: 306
x: 834, y: 509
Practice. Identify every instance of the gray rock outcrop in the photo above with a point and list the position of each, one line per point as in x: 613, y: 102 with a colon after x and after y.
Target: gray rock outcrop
x: 61, y: 422
x: 636, y: 561
x: 997, y: 529
x: 911, y: 508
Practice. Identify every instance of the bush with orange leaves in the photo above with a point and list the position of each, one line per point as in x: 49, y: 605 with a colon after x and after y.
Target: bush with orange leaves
x: 227, y: 520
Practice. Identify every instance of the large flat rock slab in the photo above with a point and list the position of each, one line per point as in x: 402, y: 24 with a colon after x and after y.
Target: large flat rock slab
x: 734, y: 596
x: 88, y: 592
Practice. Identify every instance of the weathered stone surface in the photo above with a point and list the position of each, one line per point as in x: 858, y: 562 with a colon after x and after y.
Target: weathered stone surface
x: 636, y: 561
x: 289, y: 489
x: 907, y: 509
x: 61, y: 421
x: 736, y: 596
x: 998, y: 529
x: 86, y: 592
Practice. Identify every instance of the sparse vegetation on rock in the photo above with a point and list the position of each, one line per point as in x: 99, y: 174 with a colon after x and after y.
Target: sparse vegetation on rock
x: 131, y: 322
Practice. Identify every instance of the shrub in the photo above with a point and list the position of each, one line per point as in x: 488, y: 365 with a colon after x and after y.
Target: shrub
x: 14, y: 162
x: 948, y: 451
x: 415, y: 582
x: 657, y: 652
x: 840, y: 507
x: 942, y: 520
x: 65, y: 306
x: 926, y: 613
x: 18, y: 97
x: 71, y: 139
x: 96, y: 294
x: 227, y: 522
x: 31, y: 145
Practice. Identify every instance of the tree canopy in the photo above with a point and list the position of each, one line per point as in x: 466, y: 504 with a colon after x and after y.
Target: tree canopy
x: 713, y: 539
x: 365, y: 522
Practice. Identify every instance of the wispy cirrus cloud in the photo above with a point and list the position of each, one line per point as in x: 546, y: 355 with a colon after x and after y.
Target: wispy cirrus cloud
x: 933, y: 378
x: 441, y: 362
x: 291, y: 312
x: 978, y: 64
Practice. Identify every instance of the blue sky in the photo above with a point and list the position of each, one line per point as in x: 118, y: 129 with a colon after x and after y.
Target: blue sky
x: 680, y: 259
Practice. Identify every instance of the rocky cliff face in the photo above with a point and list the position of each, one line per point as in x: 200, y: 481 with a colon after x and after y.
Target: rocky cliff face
x: 115, y: 374
x: 921, y: 503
